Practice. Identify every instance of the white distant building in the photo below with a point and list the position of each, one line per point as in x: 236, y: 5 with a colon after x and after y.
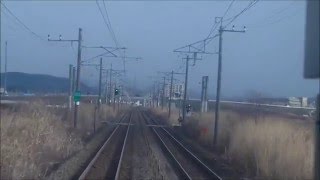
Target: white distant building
x: 298, y: 102
x: 137, y: 103
x: 294, y: 102
x: 304, y: 102
x: 3, y: 92
x: 177, y: 90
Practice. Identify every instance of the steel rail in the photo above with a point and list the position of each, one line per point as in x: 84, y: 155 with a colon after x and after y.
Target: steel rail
x: 122, y: 151
x: 93, y: 161
x: 194, y: 157
x: 184, y: 172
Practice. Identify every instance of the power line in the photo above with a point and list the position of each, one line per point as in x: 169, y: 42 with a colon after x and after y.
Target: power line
x: 105, y: 21
x: 19, y: 22
x: 107, y: 24
x: 25, y: 26
x: 215, y: 25
x: 112, y: 32
x: 251, y: 4
x: 275, y: 17
x: 225, y: 13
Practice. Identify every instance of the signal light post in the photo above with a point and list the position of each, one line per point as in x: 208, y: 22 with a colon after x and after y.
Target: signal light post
x: 190, y: 49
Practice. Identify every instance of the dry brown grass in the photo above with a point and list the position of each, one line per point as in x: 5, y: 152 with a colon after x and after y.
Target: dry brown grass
x: 270, y: 147
x: 163, y: 113
x: 34, y: 138
x: 275, y: 148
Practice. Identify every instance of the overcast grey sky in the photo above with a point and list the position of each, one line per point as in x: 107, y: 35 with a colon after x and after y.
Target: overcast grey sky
x: 268, y: 58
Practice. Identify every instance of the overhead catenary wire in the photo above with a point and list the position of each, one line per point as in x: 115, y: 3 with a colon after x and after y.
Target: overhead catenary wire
x: 24, y: 25
x: 215, y: 25
x: 20, y: 23
x: 111, y: 29
x: 251, y: 4
x: 275, y: 17
x: 106, y: 20
x: 278, y: 12
x: 229, y: 7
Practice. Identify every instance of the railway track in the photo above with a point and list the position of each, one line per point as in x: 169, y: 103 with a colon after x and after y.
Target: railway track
x: 106, y: 164
x: 188, y: 165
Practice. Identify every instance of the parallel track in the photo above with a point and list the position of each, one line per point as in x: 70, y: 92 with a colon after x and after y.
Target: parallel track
x: 106, y: 164
x: 186, y: 162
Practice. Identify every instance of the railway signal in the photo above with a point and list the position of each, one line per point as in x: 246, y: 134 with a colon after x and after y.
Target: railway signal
x: 116, y: 91
x: 188, y: 108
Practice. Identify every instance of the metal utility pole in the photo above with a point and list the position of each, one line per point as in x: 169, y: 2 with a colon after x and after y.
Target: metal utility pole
x: 217, y: 106
x: 106, y: 88
x: 77, y: 88
x: 153, y: 94
x: 76, y: 108
x: 185, y: 90
x: 158, y: 95
x: 114, y: 96
x: 110, y: 81
x: 5, y: 67
x: 74, y: 71
x: 170, y: 94
x: 97, y: 106
x: 163, y: 92
x: 119, y: 97
x: 70, y: 87
x: 100, y: 84
x: 204, y: 94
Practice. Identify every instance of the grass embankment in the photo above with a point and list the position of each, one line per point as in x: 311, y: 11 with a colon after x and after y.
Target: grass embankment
x: 266, y: 146
x: 35, y: 139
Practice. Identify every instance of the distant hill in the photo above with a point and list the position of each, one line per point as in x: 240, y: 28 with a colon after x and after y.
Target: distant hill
x: 39, y: 83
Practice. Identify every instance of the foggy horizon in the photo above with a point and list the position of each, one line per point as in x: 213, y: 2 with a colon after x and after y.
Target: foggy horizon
x: 268, y: 58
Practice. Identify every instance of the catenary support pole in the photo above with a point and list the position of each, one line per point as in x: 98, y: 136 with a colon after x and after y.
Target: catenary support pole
x: 70, y: 87
x: 185, y: 90
x: 163, y: 93
x: 6, y: 68
x: 217, y: 106
x: 170, y: 94
x: 74, y: 72
x: 100, y: 84
x: 76, y: 108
